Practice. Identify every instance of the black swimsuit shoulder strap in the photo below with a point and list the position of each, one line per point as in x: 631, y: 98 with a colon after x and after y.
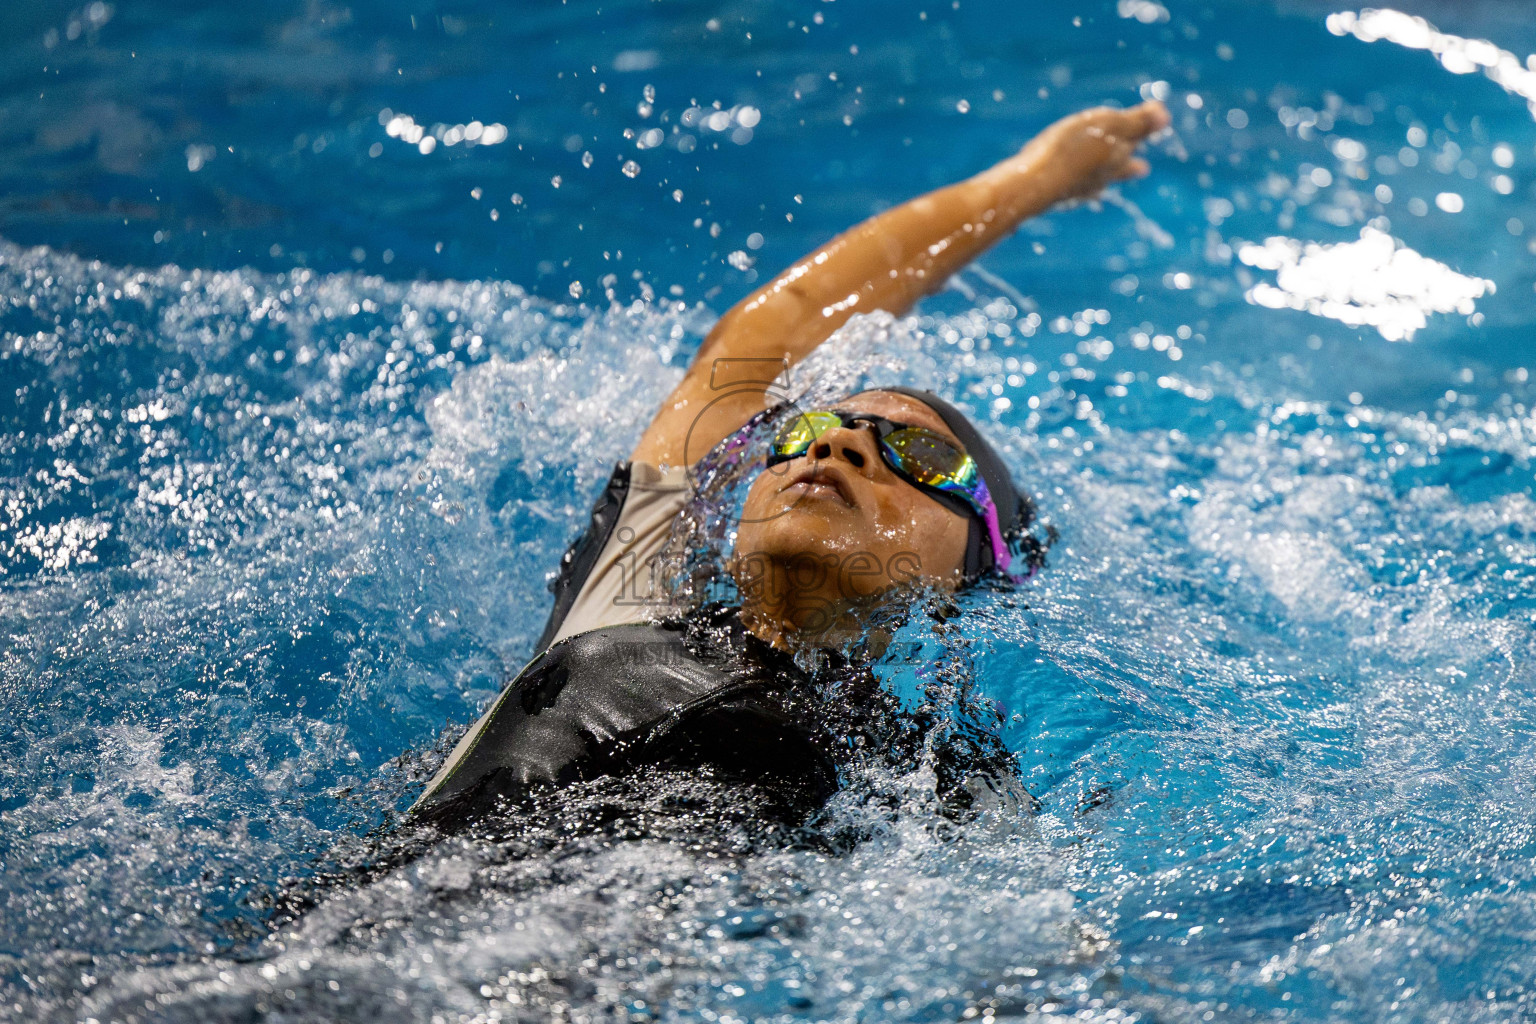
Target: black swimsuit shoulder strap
x: 581, y: 557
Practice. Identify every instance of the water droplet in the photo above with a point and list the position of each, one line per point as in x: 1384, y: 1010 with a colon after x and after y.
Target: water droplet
x: 964, y: 106
x: 586, y: 159
x: 1450, y: 202
x: 630, y: 169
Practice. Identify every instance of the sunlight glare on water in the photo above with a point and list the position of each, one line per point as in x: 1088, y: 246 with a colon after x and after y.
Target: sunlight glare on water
x: 1375, y: 282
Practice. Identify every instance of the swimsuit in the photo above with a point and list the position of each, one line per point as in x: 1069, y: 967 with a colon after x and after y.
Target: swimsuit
x: 699, y: 695
x: 612, y: 692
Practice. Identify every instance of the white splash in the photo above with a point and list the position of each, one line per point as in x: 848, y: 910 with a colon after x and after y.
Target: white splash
x: 1147, y: 12
x: 58, y: 545
x: 475, y: 133
x: 1458, y: 55
x: 1376, y: 281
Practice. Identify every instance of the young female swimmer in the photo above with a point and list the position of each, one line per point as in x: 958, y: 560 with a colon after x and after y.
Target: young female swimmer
x: 892, y: 486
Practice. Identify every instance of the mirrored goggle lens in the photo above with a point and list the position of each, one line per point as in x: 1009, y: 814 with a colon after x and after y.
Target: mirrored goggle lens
x: 931, y: 460
x: 797, y: 436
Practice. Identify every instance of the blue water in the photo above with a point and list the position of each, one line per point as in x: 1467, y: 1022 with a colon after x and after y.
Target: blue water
x: 297, y: 417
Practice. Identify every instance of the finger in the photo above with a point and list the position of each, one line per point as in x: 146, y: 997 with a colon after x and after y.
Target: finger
x: 1130, y: 127
x: 1132, y: 169
x: 1146, y: 118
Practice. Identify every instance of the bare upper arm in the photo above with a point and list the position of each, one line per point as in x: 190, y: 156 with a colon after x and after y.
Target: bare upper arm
x: 694, y: 418
x: 736, y: 374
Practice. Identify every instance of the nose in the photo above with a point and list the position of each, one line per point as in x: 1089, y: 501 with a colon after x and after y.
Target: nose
x: 853, y: 445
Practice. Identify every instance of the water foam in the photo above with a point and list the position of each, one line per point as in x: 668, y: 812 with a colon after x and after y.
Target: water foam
x: 1273, y: 690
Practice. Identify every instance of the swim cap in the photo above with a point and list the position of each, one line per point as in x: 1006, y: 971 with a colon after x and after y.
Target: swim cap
x: 1015, y: 511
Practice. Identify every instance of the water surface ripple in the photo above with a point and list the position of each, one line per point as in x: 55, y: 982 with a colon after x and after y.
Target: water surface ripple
x: 276, y: 520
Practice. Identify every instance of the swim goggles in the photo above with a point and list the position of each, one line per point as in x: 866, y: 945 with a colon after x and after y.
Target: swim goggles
x: 916, y: 454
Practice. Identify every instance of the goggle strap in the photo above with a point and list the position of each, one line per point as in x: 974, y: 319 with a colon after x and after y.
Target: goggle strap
x: 1001, y: 555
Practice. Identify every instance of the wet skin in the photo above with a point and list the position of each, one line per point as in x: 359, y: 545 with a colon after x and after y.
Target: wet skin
x: 836, y: 525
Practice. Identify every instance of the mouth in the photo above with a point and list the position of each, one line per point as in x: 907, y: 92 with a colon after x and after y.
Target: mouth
x: 815, y: 482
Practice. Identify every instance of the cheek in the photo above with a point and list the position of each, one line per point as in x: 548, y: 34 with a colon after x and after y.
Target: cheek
x: 908, y: 518
x: 932, y: 536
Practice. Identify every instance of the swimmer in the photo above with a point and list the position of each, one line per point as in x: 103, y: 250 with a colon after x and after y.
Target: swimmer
x: 888, y: 488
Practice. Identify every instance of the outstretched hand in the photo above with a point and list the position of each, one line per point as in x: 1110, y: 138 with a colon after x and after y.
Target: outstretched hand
x: 1095, y: 148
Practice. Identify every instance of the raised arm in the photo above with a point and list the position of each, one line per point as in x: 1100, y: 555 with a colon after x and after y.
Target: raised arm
x: 888, y: 262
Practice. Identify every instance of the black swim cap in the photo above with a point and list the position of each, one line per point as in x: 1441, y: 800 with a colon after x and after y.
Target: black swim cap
x: 1015, y: 510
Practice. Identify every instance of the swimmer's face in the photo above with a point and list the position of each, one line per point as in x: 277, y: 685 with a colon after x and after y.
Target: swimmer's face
x: 839, y: 507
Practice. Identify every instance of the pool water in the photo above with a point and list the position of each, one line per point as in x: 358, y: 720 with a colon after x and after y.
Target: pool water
x: 321, y: 326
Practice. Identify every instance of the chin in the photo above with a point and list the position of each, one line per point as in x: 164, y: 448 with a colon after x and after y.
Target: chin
x: 794, y: 534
